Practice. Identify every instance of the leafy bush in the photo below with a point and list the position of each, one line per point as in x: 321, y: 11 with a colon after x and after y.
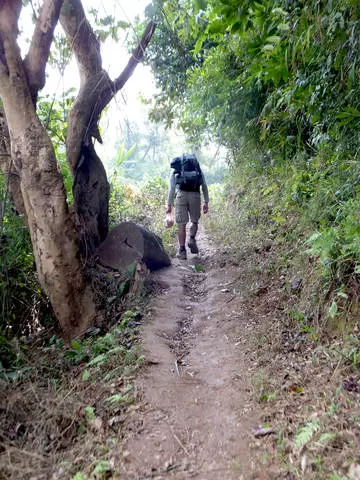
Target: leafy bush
x: 144, y: 204
x: 23, y: 306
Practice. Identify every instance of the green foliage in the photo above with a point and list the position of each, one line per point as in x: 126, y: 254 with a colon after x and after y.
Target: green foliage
x: 95, y: 351
x: 121, y: 398
x: 7, y: 353
x: 22, y: 305
x: 143, y: 151
x: 107, y: 27
x: 123, y: 154
x: 59, y: 392
x: 306, y: 433
x: 276, y: 83
x: 144, y: 205
x: 106, y: 356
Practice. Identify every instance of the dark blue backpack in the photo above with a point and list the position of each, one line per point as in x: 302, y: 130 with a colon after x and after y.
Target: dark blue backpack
x: 187, y: 172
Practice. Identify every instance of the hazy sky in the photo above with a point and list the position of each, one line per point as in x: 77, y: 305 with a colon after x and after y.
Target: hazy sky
x: 126, y: 104
x: 115, y: 55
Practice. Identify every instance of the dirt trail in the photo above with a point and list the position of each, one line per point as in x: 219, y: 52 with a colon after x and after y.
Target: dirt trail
x: 197, y: 419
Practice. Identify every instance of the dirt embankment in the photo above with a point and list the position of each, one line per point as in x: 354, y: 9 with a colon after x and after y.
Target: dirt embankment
x: 197, y: 419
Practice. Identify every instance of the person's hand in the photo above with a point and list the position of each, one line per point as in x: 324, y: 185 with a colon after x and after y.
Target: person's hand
x: 205, y: 208
x: 169, y: 209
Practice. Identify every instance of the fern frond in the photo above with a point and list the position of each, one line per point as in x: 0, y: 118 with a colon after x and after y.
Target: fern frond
x: 306, y: 433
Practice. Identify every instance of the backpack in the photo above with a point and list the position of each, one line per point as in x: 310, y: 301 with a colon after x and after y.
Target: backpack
x: 187, y: 172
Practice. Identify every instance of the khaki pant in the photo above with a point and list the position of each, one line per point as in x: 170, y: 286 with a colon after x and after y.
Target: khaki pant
x: 187, y: 204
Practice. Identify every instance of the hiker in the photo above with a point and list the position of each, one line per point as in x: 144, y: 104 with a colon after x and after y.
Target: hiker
x: 185, y: 182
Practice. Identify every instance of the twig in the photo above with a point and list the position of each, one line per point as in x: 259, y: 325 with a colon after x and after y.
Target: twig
x: 230, y: 299
x: 260, y: 432
x: 68, y: 393
x: 23, y: 452
x: 179, y: 442
x: 335, y: 369
x: 177, y: 368
x: 170, y: 468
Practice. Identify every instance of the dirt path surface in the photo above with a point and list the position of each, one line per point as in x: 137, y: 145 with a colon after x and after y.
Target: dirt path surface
x: 196, y: 421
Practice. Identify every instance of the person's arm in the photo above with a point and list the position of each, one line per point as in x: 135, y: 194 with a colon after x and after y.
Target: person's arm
x: 171, y: 194
x: 205, y: 193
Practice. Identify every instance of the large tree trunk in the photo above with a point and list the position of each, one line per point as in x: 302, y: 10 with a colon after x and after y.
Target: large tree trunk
x: 51, y: 227
x: 34, y: 67
x: 52, y: 231
x: 91, y: 195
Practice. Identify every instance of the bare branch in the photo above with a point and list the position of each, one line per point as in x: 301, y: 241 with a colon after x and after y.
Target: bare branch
x: 82, y: 39
x: 113, y: 87
x: 110, y: 88
x: 136, y: 56
x: 9, y: 15
x: 96, y: 88
x: 38, y: 54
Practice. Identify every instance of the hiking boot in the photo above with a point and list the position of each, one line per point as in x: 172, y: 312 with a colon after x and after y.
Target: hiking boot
x: 181, y: 255
x: 192, y: 245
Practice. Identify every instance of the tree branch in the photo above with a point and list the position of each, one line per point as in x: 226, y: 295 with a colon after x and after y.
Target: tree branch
x: 9, y: 15
x: 86, y: 49
x: 96, y: 88
x: 82, y: 39
x: 136, y: 56
x: 112, y: 87
x: 38, y: 54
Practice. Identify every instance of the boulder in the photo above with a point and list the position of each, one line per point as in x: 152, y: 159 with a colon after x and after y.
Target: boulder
x: 128, y: 243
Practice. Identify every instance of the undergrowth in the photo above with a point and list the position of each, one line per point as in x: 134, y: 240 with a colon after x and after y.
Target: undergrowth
x: 144, y: 204
x: 298, y: 252
x: 24, y: 309
x: 63, y: 406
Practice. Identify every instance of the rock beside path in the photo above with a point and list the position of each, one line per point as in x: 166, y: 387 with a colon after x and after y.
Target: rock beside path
x: 130, y: 243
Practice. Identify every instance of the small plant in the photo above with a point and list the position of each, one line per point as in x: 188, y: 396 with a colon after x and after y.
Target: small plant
x: 102, y: 470
x: 198, y: 268
x: 127, y: 317
x: 89, y: 413
x: 121, y: 398
x: 303, y: 325
x: 306, y: 433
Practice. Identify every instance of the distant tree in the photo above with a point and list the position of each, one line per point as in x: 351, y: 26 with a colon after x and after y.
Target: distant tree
x: 61, y: 239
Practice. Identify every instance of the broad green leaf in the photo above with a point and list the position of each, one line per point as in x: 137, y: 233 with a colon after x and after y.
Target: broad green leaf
x: 333, y: 310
